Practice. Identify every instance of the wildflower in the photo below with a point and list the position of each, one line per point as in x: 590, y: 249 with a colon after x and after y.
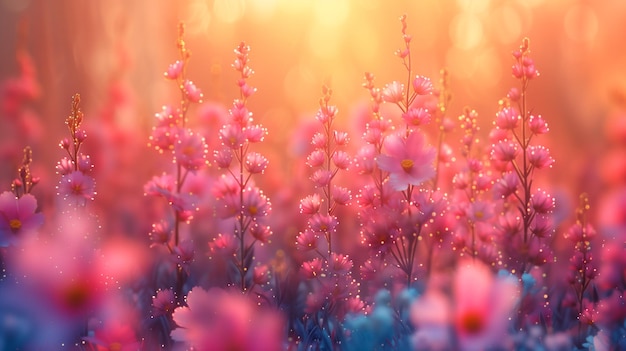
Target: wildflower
x: 260, y: 232
x: 313, y: 268
x: 393, y: 92
x: 504, y: 151
x: 77, y: 186
x: 340, y: 195
x: 416, y: 116
x: 223, y: 158
x: 18, y: 219
x: 254, y: 133
x: 256, y: 163
x: 323, y: 223
x: 483, y: 305
x: 192, y: 92
x: 422, y: 85
x: 316, y: 158
x: 537, y: 125
x: 539, y: 157
x: 306, y: 240
x: 508, y: 118
x: 174, y: 70
x: 260, y: 275
x: 310, y: 204
x: 340, y: 263
x: 322, y: 177
x: 190, y: 150
x: 216, y: 320
x: 255, y: 204
x: 408, y: 161
x: 542, y: 202
x: 341, y: 160
x: 163, y: 303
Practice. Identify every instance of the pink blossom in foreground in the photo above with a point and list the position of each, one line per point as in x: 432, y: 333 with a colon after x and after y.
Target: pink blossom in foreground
x: 220, y: 320
x: 18, y: 219
x: 409, y: 161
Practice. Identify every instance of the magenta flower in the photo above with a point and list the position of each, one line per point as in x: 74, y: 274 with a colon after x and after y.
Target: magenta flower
x: 393, y: 92
x: 77, y: 186
x: 190, y: 150
x: 218, y: 320
x: 18, y: 219
x: 409, y: 161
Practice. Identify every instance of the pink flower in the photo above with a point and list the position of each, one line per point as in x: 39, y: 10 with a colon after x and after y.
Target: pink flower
x: 310, y: 204
x: 306, y: 240
x: 504, y: 151
x: 393, y: 92
x: 223, y: 157
x: 255, y: 204
x: 174, y: 70
x: 254, y: 133
x: 322, y: 223
x: 539, y: 157
x: 507, y: 118
x: 218, y: 320
x: 18, y: 219
x: 260, y: 232
x: 340, y: 263
x: 409, y: 161
x: 313, y: 268
x: 322, y: 177
x: 163, y: 303
x: 261, y: 275
x: 232, y: 136
x: 192, y: 92
x: 537, y: 125
x: 160, y: 186
x: 341, y: 160
x: 480, y: 211
x: 422, y: 85
x: 77, y: 187
x: 341, y: 195
x: 542, y: 202
x: 190, y: 151
x: 256, y: 163
x: 483, y: 305
x: 416, y: 117
x: 316, y: 158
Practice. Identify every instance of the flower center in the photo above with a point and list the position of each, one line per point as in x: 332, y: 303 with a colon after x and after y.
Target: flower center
x: 406, y: 164
x: 115, y: 346
x: 253, y: 210
x: 472, y: 322
x: 77, y: 189
x: 479, y: 214
x: 189, y: 151
x: 15, y: 225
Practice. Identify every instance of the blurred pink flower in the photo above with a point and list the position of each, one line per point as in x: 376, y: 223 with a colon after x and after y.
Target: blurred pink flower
x: 114, y: 336
x: 483, y: 305
x: 18, y: 219
x: 218, y: 320
x: 409, y: 161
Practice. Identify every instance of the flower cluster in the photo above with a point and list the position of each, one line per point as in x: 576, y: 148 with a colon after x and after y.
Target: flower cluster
x: 76, y: 185
x: 526, y: 224
x: 18, y: 217
x: 452, y: 243
x: 239, y: 199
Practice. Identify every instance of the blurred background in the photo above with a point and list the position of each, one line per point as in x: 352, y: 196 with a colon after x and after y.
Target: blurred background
x: 114, y: 53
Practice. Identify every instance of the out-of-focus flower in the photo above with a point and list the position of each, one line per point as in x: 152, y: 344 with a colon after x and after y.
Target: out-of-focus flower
x: 218, y: 320
x: 409, y: 161
x: 313, y: 268
x: 508, y: 118
x: 163, y: 303
x: 478, y: 313
x: 114, y: 336
x: 18, y: 220
x: 306, y: 240
x: 256, y: 163
x: 310, y: 204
